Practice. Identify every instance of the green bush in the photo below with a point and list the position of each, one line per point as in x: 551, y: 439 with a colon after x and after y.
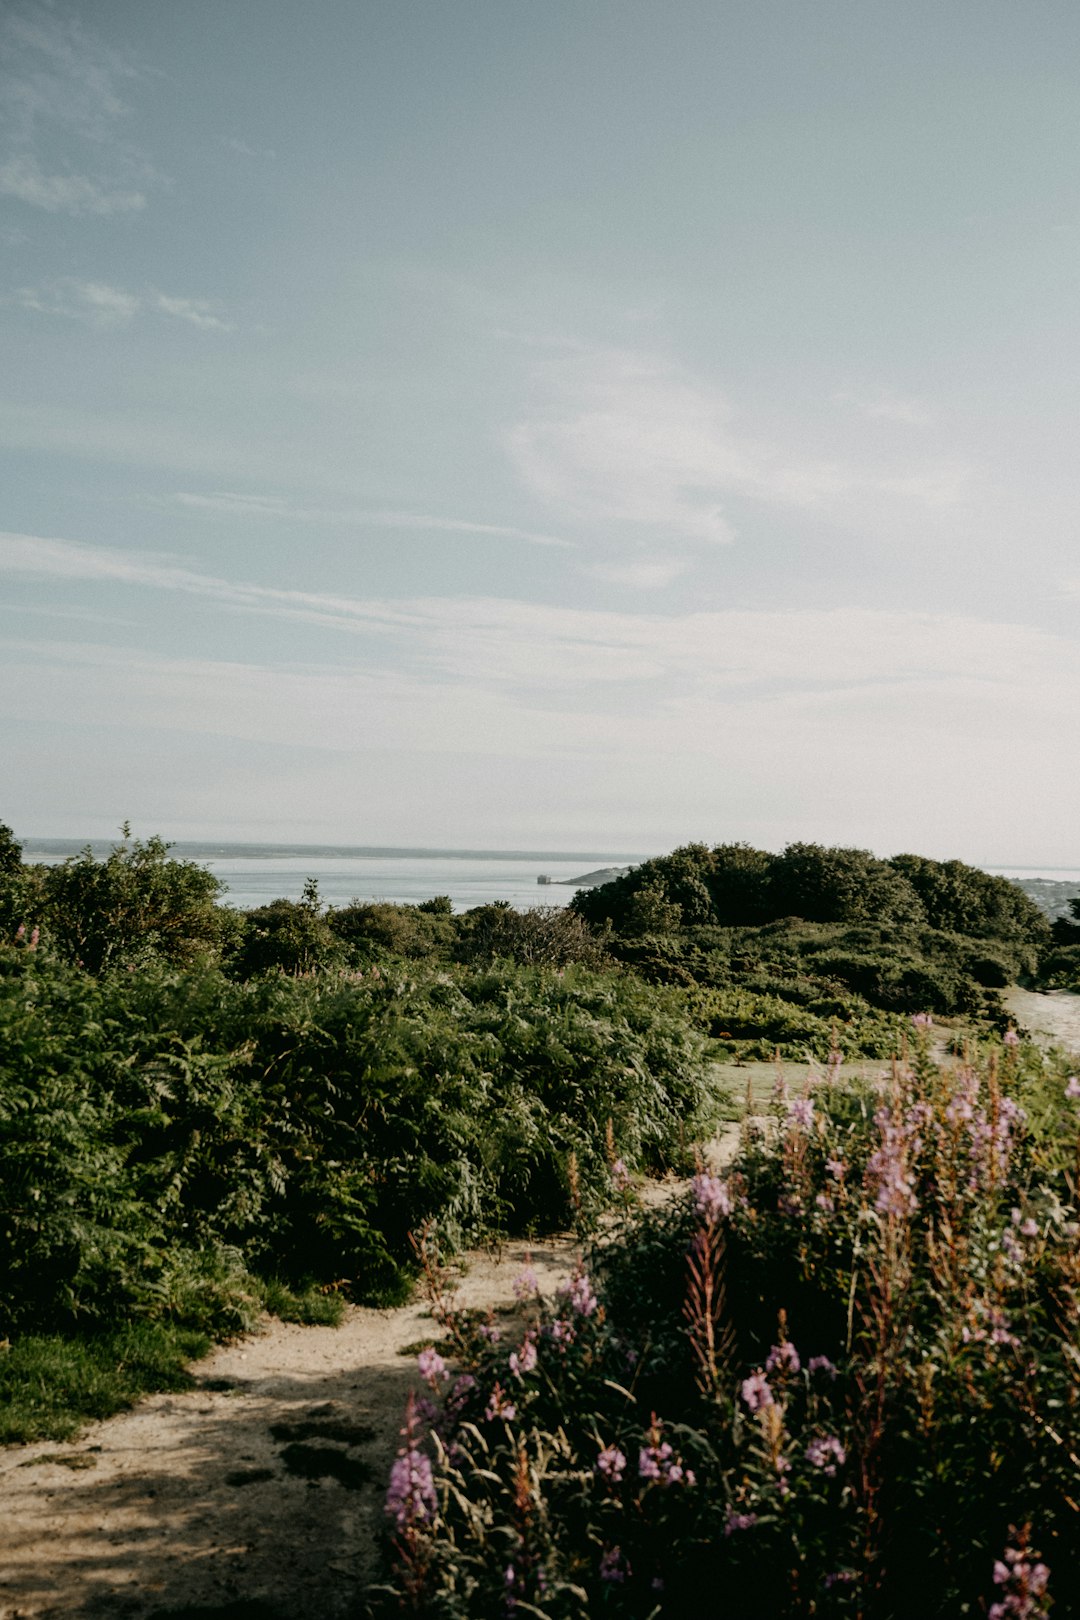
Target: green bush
x: 165, y: 1133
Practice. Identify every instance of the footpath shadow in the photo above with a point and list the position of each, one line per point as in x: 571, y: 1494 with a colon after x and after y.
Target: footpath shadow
x: 231, y: 1502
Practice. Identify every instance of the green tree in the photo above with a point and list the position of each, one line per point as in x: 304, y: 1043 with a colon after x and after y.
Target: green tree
x: 963, y: 899
x: 136, y: 903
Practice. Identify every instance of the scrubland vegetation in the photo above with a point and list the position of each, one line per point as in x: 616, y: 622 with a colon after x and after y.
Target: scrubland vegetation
x: 839, y: 1379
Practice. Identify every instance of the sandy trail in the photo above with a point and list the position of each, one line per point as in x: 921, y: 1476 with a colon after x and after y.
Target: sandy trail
x: 258, y: 1494
x: 1052, y: 1016
x: 262, y: 1486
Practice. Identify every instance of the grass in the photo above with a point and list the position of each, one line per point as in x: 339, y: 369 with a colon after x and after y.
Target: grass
x: 51, y: 1386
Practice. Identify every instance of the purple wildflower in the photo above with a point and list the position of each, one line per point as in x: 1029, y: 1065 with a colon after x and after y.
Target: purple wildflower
x: 431, y: 1365
x: 1024, y: 1583
x: 523, y: 1360
x: 821, y: 1364
x: 921, y: 1021
x: 712, y: 1196
x: 526, y: 1284
x: 613, y: 1566
x: 579, y: 1294
x: 888, y: 1167
x: 620, y: 1176
x: 1011, y: 1038
x: 783, y: 1359
x: 499, y: 1407
x: 1072, y: 1088
x: 656, y: 1461
x: 801, y: 1113
x: 410, y: 1498
x: 611, y: 1462
x: 756, y: 1392
x: 739, y: 1521
x: 827, y: 1454
x: 836, y: 1168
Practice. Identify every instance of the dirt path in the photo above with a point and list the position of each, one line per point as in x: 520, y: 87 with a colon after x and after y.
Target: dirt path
x: 258, y: 1494
x: 1052, y: 1015
x: 262, y: 1487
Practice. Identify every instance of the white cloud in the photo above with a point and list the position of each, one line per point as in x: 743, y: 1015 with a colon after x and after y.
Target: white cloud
x: 23, y: 178
x: 104, y: 305
x: 61, y: 91
x: 617, y: 438
x: 642, y: 573
x: 896, y: 729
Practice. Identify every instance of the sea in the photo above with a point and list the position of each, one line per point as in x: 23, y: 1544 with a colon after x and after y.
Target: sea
x: 257, y: 873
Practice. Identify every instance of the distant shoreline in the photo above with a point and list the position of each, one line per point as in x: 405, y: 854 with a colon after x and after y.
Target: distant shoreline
x: 197, y: 849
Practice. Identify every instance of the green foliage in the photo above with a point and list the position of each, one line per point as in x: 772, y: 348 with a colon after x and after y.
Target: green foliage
x: 136, y: 904
x: 542, y: 936
x: 961, y: 899
x: 166, y: 1133
x: 733, y: 885
x: 291, y: 936
x: 419, y: 932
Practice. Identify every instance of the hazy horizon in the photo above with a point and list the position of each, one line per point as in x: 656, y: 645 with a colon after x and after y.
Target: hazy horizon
x: 555, y: 426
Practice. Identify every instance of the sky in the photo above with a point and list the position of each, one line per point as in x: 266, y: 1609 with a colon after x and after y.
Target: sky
x: 537, y: 423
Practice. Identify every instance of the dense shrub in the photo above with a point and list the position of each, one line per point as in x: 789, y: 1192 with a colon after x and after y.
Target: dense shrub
x: 136, y: 904
x: 156, y: 1124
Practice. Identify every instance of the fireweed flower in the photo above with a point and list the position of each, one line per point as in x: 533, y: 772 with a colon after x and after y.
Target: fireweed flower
x: 431, y: 1365
x: 613, y: 1566
x: 490, y: 1331
x: 921, y: 1021
x: 410, y: 1497
x: 1011, y: 1038
x: 756, y: 1392
x: 499, y: 1407
x: 611, y: 1462
x: 1072, y: 1088
x: 801, y: 1112
x: 739, y: 1521
x: 1024, y: 1586
x: 783, y: 1359
x: 526, y: 1284
x: 657, y: 1461
x: 827, y: 1454
x: 620, y: 1176
x: 836, y: 1168
x: 712, y: 1196
x: 888, y: 1167
x: 579, y: 1295
x: 821, y: 1364
x: 523, y: 1360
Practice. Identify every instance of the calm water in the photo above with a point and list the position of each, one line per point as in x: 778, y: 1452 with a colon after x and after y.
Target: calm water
x: 257, y: 873
x: 470, y: 878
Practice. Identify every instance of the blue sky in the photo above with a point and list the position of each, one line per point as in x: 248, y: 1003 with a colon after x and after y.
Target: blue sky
x: 510, y: 424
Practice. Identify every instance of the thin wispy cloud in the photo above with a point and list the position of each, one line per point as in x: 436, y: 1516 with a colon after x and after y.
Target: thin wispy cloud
x: 62, y: 90
x: 103, y: 305
x: 243, y: 149
x: 618, y: 439
x: 230, y: 504
x: 496, y: 640
x: 24, y: 179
